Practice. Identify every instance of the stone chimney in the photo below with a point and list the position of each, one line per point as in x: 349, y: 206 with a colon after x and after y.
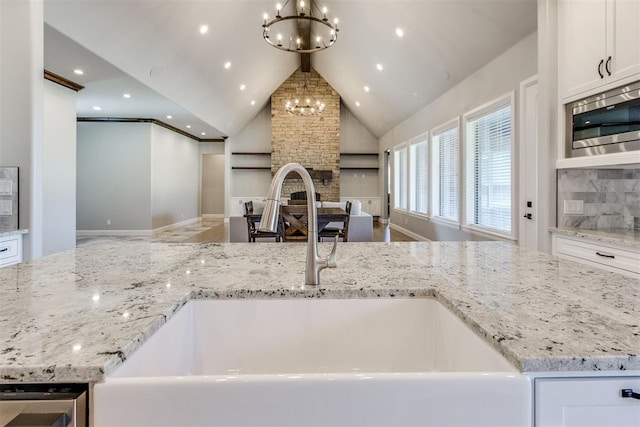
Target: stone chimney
x: 312, y: 141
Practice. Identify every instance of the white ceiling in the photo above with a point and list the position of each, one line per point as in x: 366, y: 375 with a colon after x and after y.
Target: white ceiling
x: 119, y: 42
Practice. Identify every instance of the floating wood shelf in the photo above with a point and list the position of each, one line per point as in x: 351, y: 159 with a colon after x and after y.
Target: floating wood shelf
x: 252, y: 167
x: 315, y: 174
x: 358, y: 167
x: 251, y: 154
x: 359, y: 154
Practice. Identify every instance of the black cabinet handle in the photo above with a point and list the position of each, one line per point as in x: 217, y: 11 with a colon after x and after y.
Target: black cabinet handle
x: 606, y: 66
x: 629, y: 393
x: 600, y: 68
x: 4, y: 249
x: 605, y: 255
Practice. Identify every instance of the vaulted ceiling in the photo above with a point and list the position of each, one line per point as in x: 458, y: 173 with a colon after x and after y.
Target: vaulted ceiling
x: 154, y: 49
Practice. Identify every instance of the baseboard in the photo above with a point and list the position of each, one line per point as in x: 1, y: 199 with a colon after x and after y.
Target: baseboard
x: 411, y: 234
x: 176, y: 225
x: 142, y: 233
x: 90, y: 233
x: 212, y: 216
x: 383, y: 220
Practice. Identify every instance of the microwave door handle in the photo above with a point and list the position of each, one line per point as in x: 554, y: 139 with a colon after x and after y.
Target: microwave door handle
x: 606, y: 66
x: 600, y: 69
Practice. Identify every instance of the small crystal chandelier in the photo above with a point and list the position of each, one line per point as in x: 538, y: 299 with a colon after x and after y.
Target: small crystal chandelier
x: 299, y: 32
x: 302, y: 105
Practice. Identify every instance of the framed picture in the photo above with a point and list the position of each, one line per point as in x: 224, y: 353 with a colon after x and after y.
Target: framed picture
x: 9, y: 198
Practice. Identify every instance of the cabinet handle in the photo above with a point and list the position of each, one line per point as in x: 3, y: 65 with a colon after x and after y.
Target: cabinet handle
x: 605, y: 255
x: 600, y: 68
x: 4, y: 249
x: 629, y: 393
x: 606, y: 66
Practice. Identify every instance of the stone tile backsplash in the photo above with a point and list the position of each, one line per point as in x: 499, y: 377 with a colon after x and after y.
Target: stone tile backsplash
x: 599, y: 198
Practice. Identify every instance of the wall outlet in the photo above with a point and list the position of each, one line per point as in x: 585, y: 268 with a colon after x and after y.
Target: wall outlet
x: 108, y: 222
x: 573, y: 207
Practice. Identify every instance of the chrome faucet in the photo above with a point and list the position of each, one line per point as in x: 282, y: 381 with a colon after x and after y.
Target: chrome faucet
x: 269, y: 221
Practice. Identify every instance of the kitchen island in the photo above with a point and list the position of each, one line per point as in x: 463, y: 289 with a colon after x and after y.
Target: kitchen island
x: 76, y: 316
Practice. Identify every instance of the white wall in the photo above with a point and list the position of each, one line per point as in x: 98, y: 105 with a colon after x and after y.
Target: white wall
x: 59, y: 169
x: 255, y: 138
x: 21, y: 109
x: 495, y: 79
x: 355, y: 138
x: 114, y: 176
x: 175, y: 175
x: 213, y: 184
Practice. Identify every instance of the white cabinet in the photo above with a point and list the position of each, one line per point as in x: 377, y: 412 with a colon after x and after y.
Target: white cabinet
x: 598, y: 45
x: 10, y: 249
x: 586, y: 402
x: 603, y: 255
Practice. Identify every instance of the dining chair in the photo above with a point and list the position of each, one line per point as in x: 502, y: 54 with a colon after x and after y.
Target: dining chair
x: 293, y: 222
x: 252, y: 227
x: 341, y: 232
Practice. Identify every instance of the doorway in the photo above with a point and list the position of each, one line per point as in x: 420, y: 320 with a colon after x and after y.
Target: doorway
x: 212, y: 186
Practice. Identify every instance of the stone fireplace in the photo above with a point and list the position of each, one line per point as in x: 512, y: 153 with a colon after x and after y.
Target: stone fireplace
x: 312, y: 141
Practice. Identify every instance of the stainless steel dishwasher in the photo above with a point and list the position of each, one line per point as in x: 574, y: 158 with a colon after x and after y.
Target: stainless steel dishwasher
x: 43, y: 405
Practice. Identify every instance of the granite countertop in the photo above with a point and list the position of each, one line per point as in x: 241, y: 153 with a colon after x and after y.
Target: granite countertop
x: 75, y: 316
x: 5, y: 233
x: 616, y: 236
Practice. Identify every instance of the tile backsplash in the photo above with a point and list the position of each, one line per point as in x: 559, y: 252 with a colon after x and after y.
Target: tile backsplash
x: 599, y: 198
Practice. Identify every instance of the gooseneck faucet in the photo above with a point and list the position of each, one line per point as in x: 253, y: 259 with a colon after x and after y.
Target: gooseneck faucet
x: 269, y: 221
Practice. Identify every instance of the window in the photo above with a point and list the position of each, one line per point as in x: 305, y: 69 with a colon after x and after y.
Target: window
x: 418, y: 175
x: 400, y: 177
x: 488, y: 167
x: 445, y: 152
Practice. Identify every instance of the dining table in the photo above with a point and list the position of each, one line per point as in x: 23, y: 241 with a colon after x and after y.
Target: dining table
x: 296, y: 228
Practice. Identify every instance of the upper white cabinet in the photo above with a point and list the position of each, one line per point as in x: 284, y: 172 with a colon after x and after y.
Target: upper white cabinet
x: 598, y: 45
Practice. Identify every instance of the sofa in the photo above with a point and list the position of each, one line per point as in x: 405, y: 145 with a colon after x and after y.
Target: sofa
x: 360, y: 222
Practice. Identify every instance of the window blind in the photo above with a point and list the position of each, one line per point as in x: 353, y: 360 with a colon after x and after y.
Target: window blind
x: 488, y: 169
x: 446, y: 174
x: 400, y: 177
x: 418, y: 169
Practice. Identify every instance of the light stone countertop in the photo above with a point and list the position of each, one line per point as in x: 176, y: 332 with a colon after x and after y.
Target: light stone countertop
x: 616, y: 236
x: 6, y: 233
x: 75, y: 316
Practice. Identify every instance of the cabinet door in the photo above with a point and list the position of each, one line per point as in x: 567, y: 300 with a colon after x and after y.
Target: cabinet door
x: 581, y: 45
x: 624, y: 39
x: 586, y: 402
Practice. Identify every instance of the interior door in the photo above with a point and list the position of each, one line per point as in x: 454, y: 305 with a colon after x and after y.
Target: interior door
x: 528, y: 176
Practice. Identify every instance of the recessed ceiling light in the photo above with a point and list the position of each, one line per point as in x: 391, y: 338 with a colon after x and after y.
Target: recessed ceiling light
x: 203, y: 133
x: 243, y: 87
x: 188, y: 126
x: 78, y: 71
x: 77, y: 347
x: 253, y: 102
x: 399, y: 32
x: 169, y: 117
x: 227, y: 65
x: 204, y: 29
x: 97, y: 108
x: 357, y: 104
x: 366, y: 89
x: 379, y: 67
x: 126, y: 95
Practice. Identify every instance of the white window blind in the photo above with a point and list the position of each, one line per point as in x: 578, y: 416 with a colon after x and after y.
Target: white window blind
x: 418, y: 170
x: 446, y: 174
x: 400, y: 177
x: 488, y: 168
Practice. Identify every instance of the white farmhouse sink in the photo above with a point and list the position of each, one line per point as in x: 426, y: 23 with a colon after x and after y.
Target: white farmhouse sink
x: 314, y: 362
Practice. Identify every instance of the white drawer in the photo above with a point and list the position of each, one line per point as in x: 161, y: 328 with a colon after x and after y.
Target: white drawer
x: 10, y: 250
x: 601, y: 254
x: 572, y: 402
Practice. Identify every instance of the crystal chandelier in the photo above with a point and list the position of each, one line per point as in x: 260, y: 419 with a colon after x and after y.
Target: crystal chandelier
x: 303, y: 106
x: 299, y: 31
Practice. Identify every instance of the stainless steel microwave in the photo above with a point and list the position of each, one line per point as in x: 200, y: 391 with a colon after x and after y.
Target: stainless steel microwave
x: 605, y: 123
